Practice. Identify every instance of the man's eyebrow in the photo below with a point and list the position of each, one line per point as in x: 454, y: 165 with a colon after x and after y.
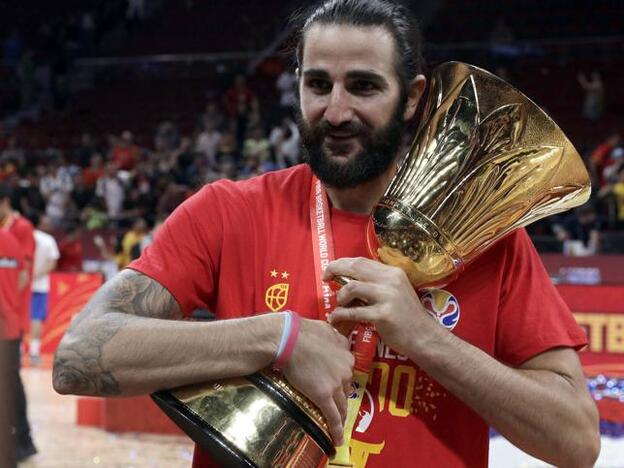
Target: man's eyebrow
x: 316, y: 73
x: 368, y: 76
x: 351, y: 75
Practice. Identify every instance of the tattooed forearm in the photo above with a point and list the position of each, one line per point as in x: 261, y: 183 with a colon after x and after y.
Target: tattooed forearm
x: 78, y: 363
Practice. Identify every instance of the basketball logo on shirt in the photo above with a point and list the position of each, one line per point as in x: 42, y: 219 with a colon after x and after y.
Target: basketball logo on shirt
x: 442, y: 306
x: 276, y: 296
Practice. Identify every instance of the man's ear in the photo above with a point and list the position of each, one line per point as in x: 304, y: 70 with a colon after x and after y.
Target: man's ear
x: 415, y: 91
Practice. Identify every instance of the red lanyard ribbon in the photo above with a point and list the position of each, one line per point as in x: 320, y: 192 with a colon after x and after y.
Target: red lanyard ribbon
x: 366, y: 338
x: 323, y: 246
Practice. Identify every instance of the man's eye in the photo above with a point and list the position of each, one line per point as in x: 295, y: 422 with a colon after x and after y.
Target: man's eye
x: 364, y: 86
x: 319, y: 85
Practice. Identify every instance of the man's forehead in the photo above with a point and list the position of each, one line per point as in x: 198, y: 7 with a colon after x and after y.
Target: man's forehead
x: 345, y: 48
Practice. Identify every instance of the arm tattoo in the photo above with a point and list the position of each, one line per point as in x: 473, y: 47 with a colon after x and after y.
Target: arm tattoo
x: 78, y: 363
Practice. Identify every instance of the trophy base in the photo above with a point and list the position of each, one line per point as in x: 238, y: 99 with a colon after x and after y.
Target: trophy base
x: 253, y: 421
x: 204, y: 435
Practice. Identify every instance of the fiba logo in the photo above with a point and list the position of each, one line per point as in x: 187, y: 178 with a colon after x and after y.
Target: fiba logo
x: 442, y: 306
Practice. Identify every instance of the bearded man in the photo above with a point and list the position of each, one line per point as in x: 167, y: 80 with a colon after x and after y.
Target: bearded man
x: 242, y: 249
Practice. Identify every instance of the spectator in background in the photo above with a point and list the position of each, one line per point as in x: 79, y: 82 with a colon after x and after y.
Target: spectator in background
x: 46, y: 257
x: 7, y: 170
x: 228, y: 169
x: 285, y: 142
x: 15, y: 444
x: 130, y: 240
x: 108, y: 264
x: 253, y: 167
x: 254, y: 115
x: 594, y: 102
x: 13, y: 152
x: 580, y: 232
x: 238, y: 102
x: 287, y: 86
x: 29, y: 200
x: 238, y: 97
x: 610, y: 172
x: 21, y: 230
x: 56, y: 186
x: 111, y: 189
x: 85, y: 151
x: 149, y: 237
x: 70, y: 249
x: 213, y: 115
x: 125, y: 153
x: 171, y: 197
x: 95, y: 170
x: 601, y: 158
x: 208, y: 142
x: 94, y: 215
x: 81, y: 195
x: 257, y: 145
x: 227, y: 148
x: 616, y: 190
x: 167, y: 135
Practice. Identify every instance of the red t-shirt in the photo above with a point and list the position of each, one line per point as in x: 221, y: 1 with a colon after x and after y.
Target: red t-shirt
x: 125, y: 156
x: 227, y: 245
x: 71, y: 254
x: 91, y: 176
x: 11, y: 262
x: 24, y: 233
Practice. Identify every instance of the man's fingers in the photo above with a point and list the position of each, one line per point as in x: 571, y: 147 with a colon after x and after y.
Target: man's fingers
x: 352, y: 314
x: 363, y: 269
x: 334, y: 421
x: 347, y: 387
x: 354, y: 290
x: 341, y: 403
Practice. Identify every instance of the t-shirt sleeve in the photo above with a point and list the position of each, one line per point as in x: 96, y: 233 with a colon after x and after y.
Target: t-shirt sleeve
x: 533, y: 317
x: 185, y: 253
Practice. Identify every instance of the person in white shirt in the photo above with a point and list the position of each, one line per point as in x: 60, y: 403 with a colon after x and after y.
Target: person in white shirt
x: 46, y: 256
x: 285, y: 142
x: 111, y: 188
x: 208, y: 142
x: 287, y: 87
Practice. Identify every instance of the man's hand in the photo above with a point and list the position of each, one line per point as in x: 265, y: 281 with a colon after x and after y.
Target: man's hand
x: 542, y: 406
x: 321, y: 367
x: 392, y: 305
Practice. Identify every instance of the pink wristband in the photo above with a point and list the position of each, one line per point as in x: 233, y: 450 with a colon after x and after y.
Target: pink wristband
x: 290, y: 334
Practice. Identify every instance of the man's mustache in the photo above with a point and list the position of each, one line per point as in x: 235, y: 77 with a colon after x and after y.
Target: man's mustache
x: 353, y: 128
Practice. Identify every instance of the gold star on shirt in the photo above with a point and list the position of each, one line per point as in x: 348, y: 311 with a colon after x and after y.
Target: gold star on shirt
x: 273, y: 273
x: 285, y: 275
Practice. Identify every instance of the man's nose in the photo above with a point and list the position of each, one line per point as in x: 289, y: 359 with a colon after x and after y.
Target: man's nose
x: 339, y: 108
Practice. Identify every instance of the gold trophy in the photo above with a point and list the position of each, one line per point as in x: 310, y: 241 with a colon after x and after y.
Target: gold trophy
x: 485, y: 161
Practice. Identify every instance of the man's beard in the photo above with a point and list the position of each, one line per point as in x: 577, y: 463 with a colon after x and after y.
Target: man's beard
x: 379, y: 149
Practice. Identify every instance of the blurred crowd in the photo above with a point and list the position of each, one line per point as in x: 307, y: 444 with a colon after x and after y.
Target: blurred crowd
x: 110, y: 181
x: 583, y: 231
x: 37, y: 55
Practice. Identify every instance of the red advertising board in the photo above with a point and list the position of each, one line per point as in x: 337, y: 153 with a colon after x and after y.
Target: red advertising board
x: 69, y: 292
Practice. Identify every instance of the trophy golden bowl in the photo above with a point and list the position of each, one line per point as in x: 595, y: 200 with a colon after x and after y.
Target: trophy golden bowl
x: 486, y: 160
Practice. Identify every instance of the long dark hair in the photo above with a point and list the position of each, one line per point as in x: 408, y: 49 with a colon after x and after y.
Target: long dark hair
x: 395, y: 17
